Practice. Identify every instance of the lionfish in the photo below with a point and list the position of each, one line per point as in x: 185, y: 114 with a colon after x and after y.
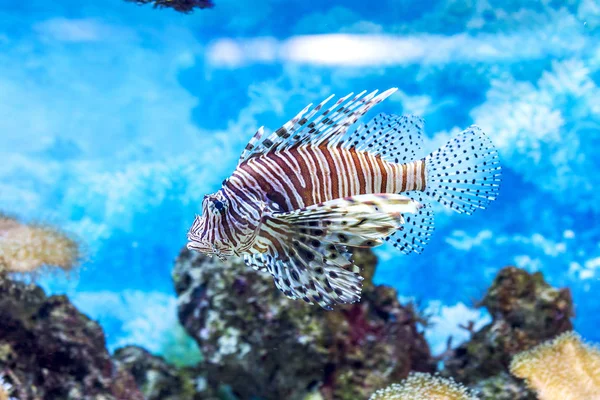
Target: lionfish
x: 304, y: 194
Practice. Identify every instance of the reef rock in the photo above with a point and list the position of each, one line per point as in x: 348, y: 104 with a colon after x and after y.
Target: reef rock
x: 49, y: 350
x: 266, y: 346
x: 526, y: 311
x: 159, y: 380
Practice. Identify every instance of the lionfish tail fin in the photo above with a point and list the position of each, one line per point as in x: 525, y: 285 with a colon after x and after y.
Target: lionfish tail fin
x: 465, y: 174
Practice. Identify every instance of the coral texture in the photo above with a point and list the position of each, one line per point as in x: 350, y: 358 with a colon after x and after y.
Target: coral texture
x: 159, y: 380
x: 525, y: 311
x: 49, y: 350
x: 420, y: 386
x: 564, y: 368
x: 26, y: 248
x: 267, y: 346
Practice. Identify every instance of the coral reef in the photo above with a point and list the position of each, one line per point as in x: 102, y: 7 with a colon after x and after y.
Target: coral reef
x: 25, y: 248
x: 525, y: 311
x: 502, y: 386
x: 5, y: 389
x: 421, y: 386
x: 184, y: 6
x: 159, y: 380
x: 561, y: 369
x: 49, y: 350
x: 257, y: 344
x: 266, y: 346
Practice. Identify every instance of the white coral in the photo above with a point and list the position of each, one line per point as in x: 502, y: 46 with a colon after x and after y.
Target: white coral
x: 422, y: 386
x: 549, y: 131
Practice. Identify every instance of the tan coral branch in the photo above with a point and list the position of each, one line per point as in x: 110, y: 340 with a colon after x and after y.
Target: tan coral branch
x: 26, y: 248
x: 564, y: 368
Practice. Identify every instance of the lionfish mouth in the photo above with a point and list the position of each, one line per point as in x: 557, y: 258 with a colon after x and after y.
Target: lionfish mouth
x: 208, y: 249
x: 198, y: 246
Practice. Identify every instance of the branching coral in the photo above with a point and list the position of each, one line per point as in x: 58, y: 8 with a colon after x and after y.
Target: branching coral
x: 26, y: 248
x: 184, y: 6
x: 422, y: 386
x: 564, y: 368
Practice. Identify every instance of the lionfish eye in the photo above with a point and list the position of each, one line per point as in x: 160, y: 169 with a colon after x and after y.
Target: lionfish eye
x: 219, y: 205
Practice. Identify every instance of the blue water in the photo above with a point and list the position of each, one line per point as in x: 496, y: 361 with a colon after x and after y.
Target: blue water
x: 116, y: 119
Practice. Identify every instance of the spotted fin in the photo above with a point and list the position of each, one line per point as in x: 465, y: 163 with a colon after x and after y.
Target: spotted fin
x: 257, y: 262
x: 305, y: 250
x: 395, y: 138
x: 308, y: 126
x: 417, y: 229
x: 465, y: 174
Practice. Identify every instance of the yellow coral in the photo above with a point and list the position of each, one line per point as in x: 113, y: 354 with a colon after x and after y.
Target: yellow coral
x: 421, y: 386
x: 26, y: 248
x: 561, y: 369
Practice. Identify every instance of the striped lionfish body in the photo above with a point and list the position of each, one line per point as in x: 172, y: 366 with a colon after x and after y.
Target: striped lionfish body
x: 302, y: 195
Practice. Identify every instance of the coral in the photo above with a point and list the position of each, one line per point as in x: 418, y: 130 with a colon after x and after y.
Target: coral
x: 49, y: 349
x: 264, y: 345
x: 421, y: 386
x: 184, y: 6
x: 5, y: 389
x: 159, y: 380
x: 564, y: 368
x: 502, y: 386
x: 26, y: 248
x: 525, y: 311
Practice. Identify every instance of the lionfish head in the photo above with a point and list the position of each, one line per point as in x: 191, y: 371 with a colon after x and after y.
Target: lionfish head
x: 207, y: 234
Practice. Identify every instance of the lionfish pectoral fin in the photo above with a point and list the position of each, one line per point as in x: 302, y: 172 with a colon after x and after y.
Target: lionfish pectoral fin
x: 357, y: 221
x: 303, y: 267
x: 256, y: 261
x: 307, y: 255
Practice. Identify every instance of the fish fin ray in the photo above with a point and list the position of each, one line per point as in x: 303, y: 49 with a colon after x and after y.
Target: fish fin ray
x: 307, y: 250
x: 414, y: 235
x: 310, y: 128
x: 357, y: 221
x: 251, y: 146
x: 465, y: 174
x: 309, y: 270
x: 395, y: 138
x: 257, y: 262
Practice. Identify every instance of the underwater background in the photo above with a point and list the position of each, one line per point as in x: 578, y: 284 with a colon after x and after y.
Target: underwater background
x: 116, y: 120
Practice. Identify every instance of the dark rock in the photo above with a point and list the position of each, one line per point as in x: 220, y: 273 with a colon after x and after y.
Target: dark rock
x: 264, y: 345
x: 525, y: 311
x: 159, y: 380
x: 49, y: 350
